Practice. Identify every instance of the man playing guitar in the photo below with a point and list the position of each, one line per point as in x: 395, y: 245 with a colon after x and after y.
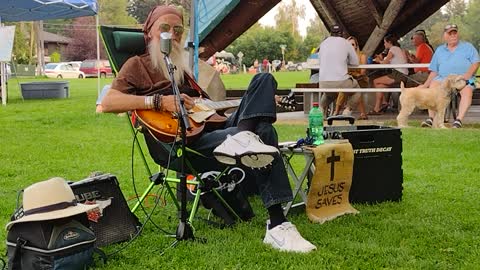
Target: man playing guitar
x: 143, y: 84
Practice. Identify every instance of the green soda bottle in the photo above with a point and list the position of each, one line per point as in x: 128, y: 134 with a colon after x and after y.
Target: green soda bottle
x: 315, y: 124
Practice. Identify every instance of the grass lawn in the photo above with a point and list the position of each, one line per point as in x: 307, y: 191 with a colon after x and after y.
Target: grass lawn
x: 435, y: 226
x: 285, y: 79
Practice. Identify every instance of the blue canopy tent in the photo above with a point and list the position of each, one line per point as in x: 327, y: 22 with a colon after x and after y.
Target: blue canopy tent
x: 206, y: 16
x: 35, y: 10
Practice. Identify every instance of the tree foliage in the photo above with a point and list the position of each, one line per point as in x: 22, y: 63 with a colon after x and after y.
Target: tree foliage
x: 114, y: 12
x: 21, y: 47
x: 139, y: 9
x: 83, y: 32
x: 316, y: 32
x: 261, y: 42
x: 455, y: 8
x: 288, y: 16
x: 471, y: 20
x: 83, y: 45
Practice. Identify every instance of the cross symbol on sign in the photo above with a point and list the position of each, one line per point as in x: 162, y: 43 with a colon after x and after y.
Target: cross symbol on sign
x: 332, y: 159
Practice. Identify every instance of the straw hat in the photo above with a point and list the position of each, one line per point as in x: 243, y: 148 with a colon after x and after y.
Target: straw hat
x: 50, y: 199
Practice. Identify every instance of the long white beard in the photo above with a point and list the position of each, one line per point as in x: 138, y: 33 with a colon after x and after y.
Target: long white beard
x: 177, y: 55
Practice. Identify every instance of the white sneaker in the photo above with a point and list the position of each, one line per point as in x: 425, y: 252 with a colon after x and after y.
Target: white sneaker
x: 285, y: 237
x: 246, y: 147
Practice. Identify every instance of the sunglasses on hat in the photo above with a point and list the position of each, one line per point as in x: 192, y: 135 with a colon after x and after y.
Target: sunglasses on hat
x: 177, y: 29
x: 449, y: 27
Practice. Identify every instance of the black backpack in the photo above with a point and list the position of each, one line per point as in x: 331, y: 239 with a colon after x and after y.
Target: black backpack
x: 65, y: 243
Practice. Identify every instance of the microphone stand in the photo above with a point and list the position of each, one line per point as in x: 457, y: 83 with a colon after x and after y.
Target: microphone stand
x: 184, y: 229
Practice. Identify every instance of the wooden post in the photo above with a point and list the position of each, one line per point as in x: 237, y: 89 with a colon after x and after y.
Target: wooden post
x: 379, y: 32
x: 40, y: 48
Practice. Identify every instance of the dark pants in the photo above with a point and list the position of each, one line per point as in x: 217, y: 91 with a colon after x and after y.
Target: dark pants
x: 258, y: 101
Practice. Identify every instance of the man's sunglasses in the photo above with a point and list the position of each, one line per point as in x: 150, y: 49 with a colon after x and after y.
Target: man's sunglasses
x: 177, y: 29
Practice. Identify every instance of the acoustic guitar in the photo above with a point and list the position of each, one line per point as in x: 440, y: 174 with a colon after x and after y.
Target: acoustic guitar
x: 203, y: 117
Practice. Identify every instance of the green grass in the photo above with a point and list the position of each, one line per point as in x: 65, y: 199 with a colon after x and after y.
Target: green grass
x: 435, y: 226
x: 285, y: 79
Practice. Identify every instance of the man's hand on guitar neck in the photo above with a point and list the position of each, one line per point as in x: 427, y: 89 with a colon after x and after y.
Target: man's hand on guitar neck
x: 170, y: 104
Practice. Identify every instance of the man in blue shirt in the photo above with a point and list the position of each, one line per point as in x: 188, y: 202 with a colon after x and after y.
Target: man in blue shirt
x: 453, y: 57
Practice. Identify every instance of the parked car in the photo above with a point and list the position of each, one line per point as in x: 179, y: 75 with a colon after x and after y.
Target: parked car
x: 277, y: 65
x: 92, y: 67
x: 294, y: 67
x: 62, y: 70
x: 75, y: 64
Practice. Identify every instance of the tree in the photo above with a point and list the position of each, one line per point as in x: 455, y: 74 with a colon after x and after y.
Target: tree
x: 114, y: 12
x: 21, y: 48
x: 58, y: 26
x: 288, y: 16
x: 455, y: 9
x: 316, y: 32
x: 471, y: 21
x: 259, y: 42
x: 83, y: 45
x: 139, y: 9
x: 83, y: 30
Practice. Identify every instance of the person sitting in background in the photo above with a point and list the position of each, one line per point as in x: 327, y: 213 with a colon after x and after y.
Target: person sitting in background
x: 421, y: 31
x: 362, y: 79
x: 335, y: 54
x: 423, y: 55
x: 395, y: 56
x: 453, y: 57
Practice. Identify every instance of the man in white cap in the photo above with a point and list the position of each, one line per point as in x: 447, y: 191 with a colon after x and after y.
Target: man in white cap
x: 453, y: 57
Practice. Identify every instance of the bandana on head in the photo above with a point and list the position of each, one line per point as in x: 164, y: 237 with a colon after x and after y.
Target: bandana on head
x: 156, y: 13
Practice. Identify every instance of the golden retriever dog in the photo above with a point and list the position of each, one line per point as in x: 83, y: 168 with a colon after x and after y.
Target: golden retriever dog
x: 435, y: 99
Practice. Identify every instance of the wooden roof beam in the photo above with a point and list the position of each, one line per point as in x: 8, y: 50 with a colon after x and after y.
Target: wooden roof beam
x: 380, y: 30
x: 411, y: 9
x: 330, y: 13
x: 375, y: 10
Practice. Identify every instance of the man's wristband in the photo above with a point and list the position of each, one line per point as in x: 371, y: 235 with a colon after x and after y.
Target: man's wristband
x: 157, y: 102
x: 149, y: 102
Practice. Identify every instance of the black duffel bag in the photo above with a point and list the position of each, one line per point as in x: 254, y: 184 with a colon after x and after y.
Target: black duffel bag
x: 49, y: 230
x: 58, y: 244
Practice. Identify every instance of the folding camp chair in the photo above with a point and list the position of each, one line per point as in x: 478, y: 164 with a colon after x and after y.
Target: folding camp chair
x: 121, y: 44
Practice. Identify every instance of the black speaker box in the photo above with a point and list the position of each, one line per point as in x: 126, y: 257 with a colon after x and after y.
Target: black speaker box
x: 377, y: 167
x: 116, y: 223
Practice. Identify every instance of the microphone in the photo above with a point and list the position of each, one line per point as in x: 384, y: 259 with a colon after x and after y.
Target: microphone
x: 165, y: 42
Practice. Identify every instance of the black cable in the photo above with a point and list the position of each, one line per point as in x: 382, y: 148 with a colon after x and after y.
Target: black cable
x: 161, y: 191
x: 135, y: 188
x: 4, y: 263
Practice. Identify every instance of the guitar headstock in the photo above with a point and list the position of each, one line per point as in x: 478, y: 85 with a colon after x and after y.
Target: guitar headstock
x: 287, y: 102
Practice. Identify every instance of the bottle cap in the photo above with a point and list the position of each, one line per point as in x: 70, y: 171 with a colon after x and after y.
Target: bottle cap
x: 315, y: 104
